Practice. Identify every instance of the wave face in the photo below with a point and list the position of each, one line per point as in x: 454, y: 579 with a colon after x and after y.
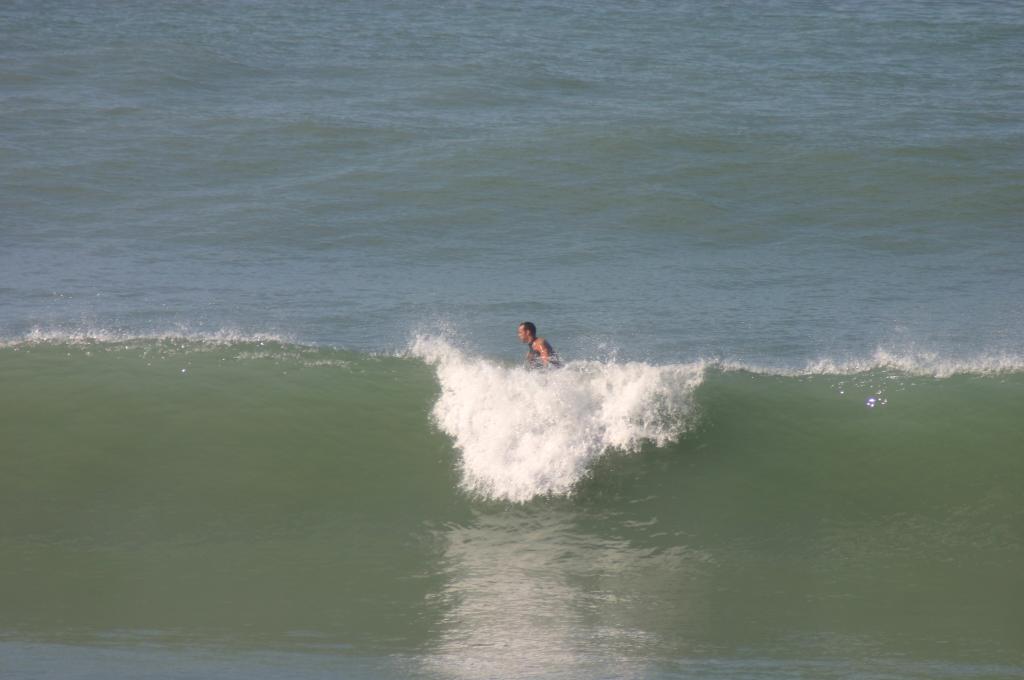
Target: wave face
x: 515, y: 434
x: 304, y: 497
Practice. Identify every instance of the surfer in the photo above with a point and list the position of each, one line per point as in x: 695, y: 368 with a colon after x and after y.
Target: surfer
x: 539, y: 352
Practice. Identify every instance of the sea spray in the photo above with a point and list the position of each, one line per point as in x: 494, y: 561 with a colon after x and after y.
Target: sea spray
x: 181, y: 335
x: 912, y: 362
x: 524, y: 433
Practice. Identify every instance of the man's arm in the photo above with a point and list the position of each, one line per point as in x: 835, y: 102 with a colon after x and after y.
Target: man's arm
x: 544, y: 350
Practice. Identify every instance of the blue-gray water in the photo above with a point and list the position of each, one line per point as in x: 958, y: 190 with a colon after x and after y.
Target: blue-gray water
x: 820, y: 201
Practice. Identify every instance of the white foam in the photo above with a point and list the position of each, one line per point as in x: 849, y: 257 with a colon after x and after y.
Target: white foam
x: 178, y: 335
x: 524, y: 433
x: 911, y: 362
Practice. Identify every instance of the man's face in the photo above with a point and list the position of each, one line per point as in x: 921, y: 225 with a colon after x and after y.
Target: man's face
x: 524, y: 335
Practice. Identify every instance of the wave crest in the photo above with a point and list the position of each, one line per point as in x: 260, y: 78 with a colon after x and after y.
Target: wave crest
x: 913, y: 363
x: 93, y: 336
x: 525, y: 433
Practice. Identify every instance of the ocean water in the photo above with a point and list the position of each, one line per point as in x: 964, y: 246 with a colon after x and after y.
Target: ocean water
x: 263, y: 411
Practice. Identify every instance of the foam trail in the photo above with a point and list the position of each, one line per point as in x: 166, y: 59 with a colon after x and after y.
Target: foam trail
x: 909, y: 362
x: 181, y: 334
x: 923, y: 363
x: 524, y: 433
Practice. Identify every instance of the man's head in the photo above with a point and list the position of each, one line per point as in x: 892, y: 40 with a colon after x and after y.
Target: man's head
x: 527, y: 332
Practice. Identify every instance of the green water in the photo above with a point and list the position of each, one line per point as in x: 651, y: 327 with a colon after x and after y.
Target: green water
x: 301, y: 501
